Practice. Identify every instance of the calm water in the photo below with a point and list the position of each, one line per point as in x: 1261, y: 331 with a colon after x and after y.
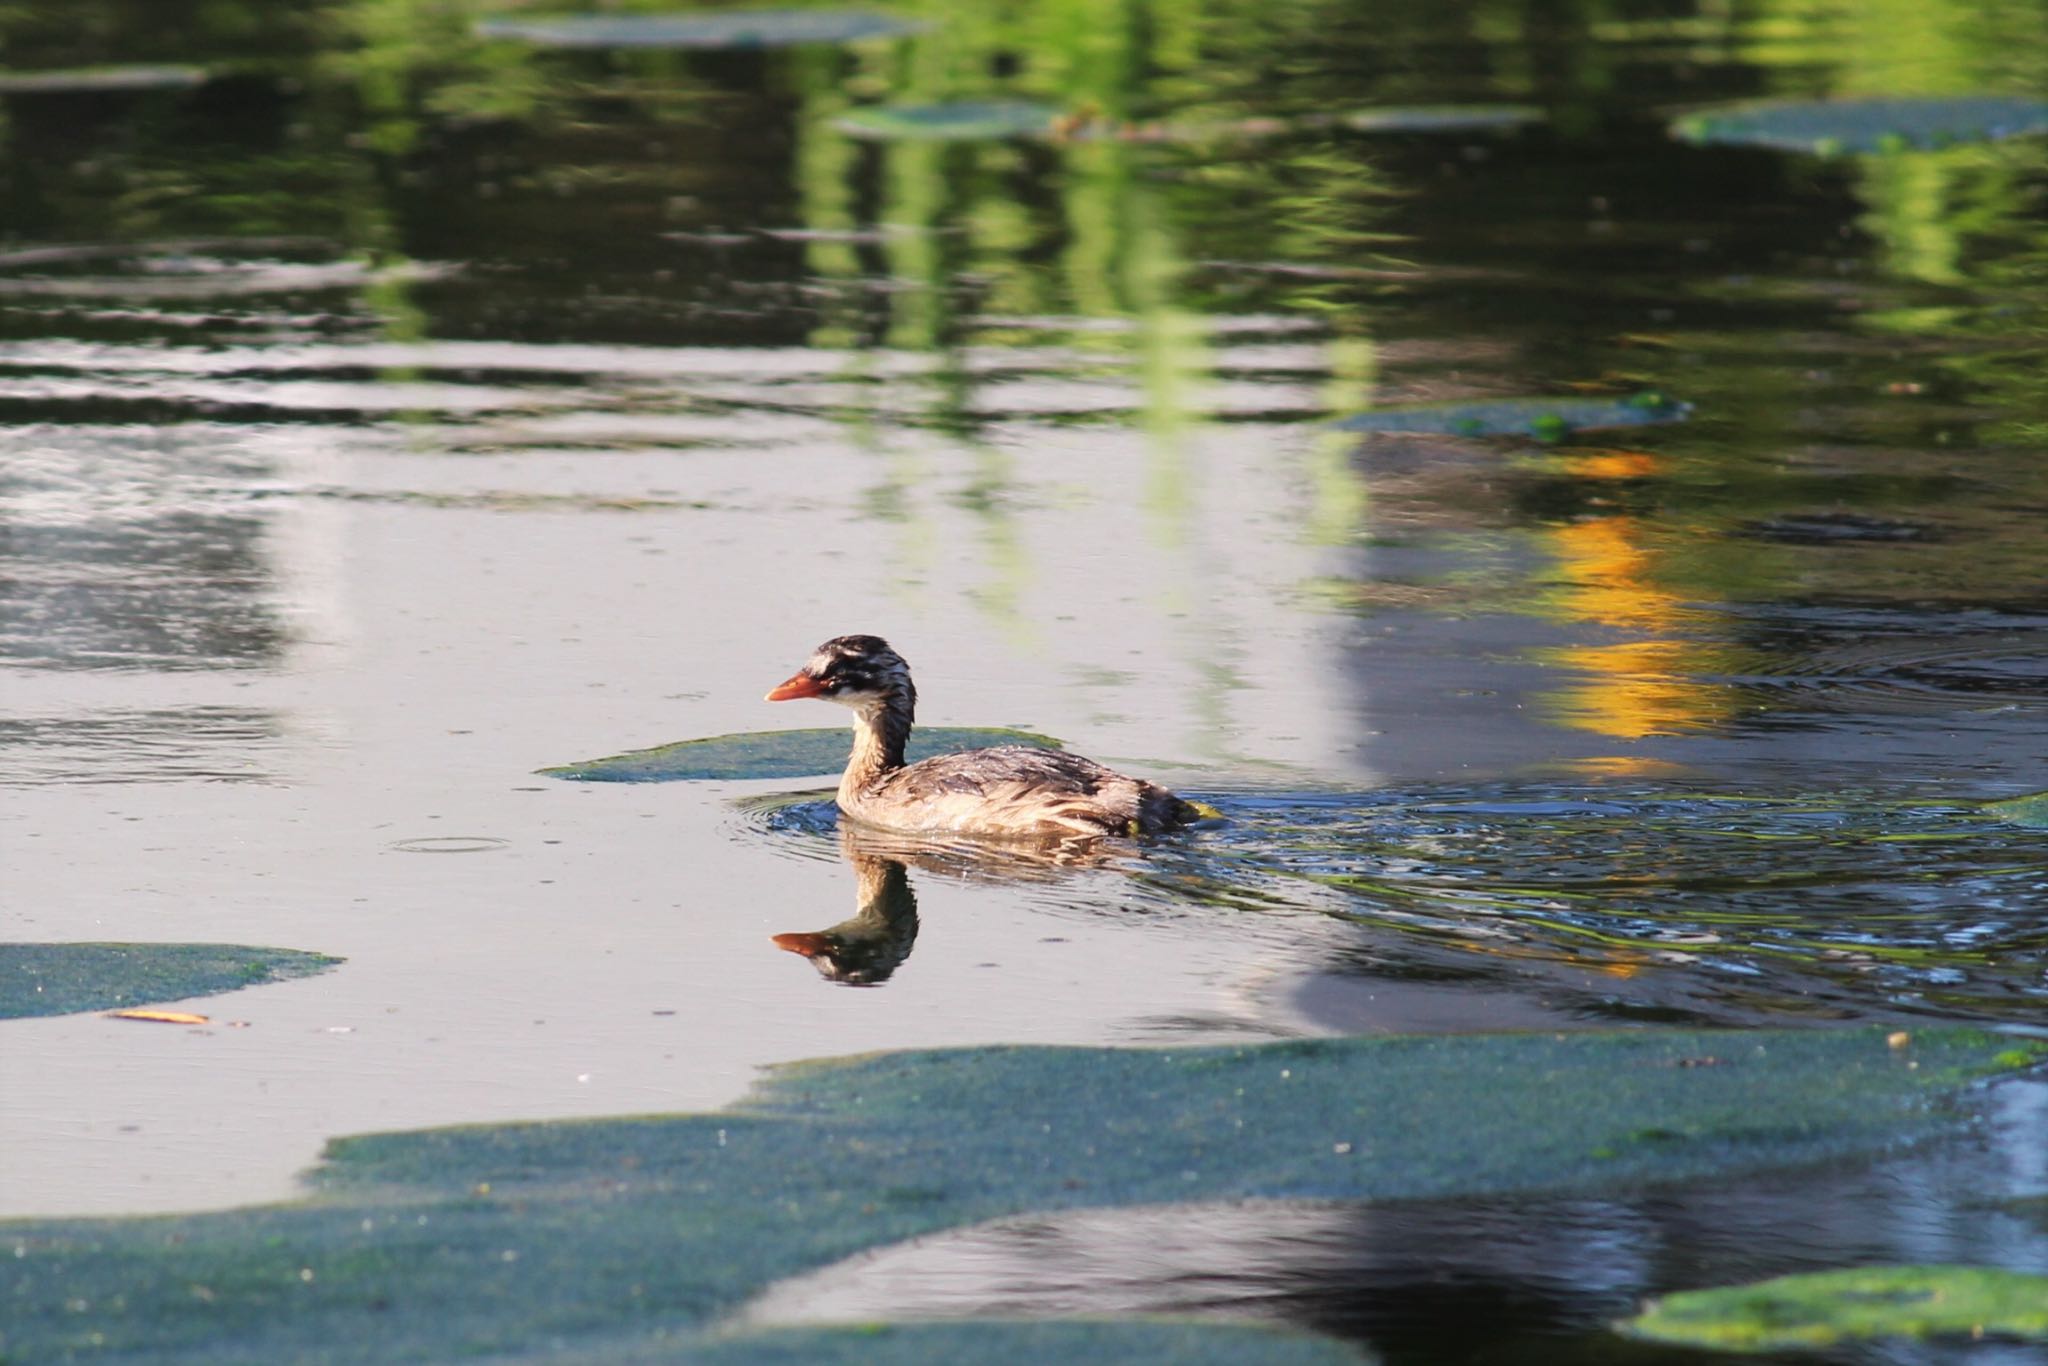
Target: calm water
x: 389, y: 414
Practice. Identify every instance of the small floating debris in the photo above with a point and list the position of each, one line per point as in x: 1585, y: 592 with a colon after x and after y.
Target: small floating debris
x: 735, y: 29
x: 774, y: 754
x: 1835, y: 127
x: 1546, y: 419
x: 90, y: 80
x: 183, y: 1017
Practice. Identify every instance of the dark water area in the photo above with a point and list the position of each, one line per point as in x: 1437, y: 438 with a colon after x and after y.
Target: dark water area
x: 388, y: 411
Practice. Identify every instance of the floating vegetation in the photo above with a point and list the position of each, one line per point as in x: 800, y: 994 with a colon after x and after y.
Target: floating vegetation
x: 508, y: 1240
x: 718, y: 32
x: 775, y: 754
x: 1833, y: 127
x: 2030, y: 810
x: 985, y: 121
x: 1823, y: 1308
x: 101, y: 79
x: 1546, y: 419
x: 969, y: 121
x: 64, y: 979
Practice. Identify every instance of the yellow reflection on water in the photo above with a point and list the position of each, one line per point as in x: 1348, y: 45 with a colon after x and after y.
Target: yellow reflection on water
x: 1607, y: 576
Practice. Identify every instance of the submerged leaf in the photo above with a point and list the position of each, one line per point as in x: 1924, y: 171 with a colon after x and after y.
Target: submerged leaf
x: 63, y: 979
x: 1829, y: 127
x: 775, y: 754
x: 1547, y: 419
x: 1822, y: 1308
x: 730, y: 29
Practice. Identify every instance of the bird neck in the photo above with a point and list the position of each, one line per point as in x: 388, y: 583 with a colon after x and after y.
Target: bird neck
x: 879, y: 734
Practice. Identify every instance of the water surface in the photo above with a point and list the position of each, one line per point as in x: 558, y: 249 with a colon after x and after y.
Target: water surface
x: 391, y: 414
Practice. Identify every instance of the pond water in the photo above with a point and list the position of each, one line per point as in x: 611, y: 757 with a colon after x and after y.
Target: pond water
x: 392, y: 413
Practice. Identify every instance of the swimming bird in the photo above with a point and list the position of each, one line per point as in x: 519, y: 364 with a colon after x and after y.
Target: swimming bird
x: 1005, y: 791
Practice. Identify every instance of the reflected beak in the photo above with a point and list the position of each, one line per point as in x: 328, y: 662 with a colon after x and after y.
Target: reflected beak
x: 809, y: 945
x: 795, y: 686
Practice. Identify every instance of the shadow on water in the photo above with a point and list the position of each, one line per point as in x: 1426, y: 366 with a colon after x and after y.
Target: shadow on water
x: 1590, y: 904
x: 1518, y: 1279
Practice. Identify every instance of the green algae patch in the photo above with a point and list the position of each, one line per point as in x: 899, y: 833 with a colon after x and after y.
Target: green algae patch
x: 620, y: 1237
x: 63, y: 979
x: 1546, y: 419
x: 1821, y: 1309
x: 776, y: 754
x: 721, y: 32
x: 1834, y: 127
x: 960, y: 121
x: 2030, y: 810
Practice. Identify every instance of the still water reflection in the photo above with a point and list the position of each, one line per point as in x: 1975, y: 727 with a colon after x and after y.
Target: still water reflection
x: 389, y: 412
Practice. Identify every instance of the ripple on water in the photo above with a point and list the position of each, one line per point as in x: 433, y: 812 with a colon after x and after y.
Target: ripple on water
x: 1888, y: 660
x: 450, y: 844
x: 1835, y: 906
x: 1629, y: 904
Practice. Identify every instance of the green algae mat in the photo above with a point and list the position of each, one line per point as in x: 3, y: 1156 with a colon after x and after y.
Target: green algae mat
x: 63, y: 979
x: 635, y: 1239
x: 775, y: 754
x: 1836, y: 127
x: 1825, y: 1308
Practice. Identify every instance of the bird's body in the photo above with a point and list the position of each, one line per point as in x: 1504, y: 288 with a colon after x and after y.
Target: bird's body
x: 1007, y: 791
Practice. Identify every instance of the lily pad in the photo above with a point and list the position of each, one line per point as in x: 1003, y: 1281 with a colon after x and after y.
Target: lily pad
x: 775, y: 754
x: 628, y: 1239
x: 97, y: 79
x: 723, y: 31
x: 966, y: 121
x: 63, y: 979
x: 2030, y: 810
x: 1823, y: 1308
x: 1829, y: 127
x: 1547, y: 419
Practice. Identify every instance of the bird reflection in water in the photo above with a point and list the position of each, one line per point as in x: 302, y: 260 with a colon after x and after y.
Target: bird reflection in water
x: 867, y: 947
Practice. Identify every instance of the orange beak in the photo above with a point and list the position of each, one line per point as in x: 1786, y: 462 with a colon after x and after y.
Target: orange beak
x: 795, y: 686
x: 809, y: 945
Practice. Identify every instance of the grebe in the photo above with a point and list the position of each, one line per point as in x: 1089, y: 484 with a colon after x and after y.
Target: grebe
x: 1010, y: 790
